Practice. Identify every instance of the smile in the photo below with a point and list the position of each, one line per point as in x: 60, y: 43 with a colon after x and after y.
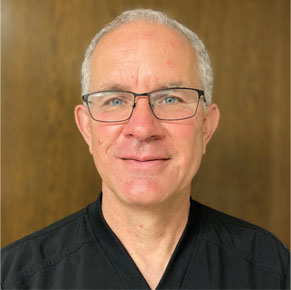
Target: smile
x: 145, y: 163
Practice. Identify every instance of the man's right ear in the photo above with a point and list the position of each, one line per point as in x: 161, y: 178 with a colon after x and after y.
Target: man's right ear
x: 83, y: 121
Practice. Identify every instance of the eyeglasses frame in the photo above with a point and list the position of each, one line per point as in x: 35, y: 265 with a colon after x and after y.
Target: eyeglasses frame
x: 200, y: 94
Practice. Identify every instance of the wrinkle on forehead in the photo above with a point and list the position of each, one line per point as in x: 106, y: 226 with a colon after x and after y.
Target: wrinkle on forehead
x: 115, y: 86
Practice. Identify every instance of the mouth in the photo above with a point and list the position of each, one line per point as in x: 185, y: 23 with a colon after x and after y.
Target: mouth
x: 145, y: 159
x: 145, y: 162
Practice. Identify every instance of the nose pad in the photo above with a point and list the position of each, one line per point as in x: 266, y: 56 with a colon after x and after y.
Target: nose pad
x: 142, y: 112
x: 151, y: 106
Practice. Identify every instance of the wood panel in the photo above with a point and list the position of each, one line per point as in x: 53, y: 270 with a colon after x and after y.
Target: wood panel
x: 47, y: 172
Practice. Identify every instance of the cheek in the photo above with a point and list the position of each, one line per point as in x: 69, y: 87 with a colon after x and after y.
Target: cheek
x: 189, y: 142
x: 104, y: 136
x: 190, y: 135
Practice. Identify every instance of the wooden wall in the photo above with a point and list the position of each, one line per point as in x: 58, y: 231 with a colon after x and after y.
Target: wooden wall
x: 47, y: 172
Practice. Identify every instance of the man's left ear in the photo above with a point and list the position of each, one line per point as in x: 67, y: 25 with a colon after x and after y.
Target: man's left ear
x: 211, y: 118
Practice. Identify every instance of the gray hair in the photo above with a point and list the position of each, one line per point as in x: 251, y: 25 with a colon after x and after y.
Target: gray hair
x: 206, y: 76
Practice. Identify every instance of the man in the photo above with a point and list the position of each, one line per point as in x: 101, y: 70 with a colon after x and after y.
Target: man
x: 147, y: 118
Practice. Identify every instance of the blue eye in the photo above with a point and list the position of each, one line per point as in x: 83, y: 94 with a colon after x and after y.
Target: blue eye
x: 116, y: 102
x: 170, y: 100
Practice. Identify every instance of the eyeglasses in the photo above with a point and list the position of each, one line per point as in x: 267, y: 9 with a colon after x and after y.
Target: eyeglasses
x: 169, y: 104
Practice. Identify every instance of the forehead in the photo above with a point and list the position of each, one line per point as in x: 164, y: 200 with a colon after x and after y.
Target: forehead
x: 144, y: 51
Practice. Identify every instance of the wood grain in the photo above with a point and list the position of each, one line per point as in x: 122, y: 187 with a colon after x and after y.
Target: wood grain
x: 47, y: 172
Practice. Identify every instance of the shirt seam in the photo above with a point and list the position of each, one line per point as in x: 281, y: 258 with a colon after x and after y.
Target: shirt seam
x: 256, y: 228
x: 242, y: 256
x: 227, y: 219
x: 47, y: 264
x: 43, y: 232
x: 54, y: 260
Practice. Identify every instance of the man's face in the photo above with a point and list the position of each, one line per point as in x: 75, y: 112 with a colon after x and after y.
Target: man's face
x: 145, y: 161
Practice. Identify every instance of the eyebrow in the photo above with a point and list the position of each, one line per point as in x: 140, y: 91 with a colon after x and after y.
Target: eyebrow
x: 114, y: 87
x: 121, y: 87
x: 175, y: 84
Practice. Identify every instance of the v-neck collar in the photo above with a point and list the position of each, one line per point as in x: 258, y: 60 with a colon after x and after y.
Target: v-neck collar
x: 130, y: 276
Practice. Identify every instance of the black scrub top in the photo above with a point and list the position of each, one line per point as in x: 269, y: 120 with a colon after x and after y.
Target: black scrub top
x: 215, y: 251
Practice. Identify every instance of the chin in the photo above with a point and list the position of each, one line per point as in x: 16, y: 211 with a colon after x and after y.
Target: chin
x: 144, y: 194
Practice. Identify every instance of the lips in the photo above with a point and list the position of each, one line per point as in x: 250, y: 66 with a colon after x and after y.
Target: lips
x: 144, y: 159
x: 144, y: 162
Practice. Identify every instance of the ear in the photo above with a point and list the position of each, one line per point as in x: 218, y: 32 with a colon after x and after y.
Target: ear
x: 83, y: 121
x: 211, y: 118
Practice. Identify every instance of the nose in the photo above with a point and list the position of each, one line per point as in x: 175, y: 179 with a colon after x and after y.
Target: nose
x: 143, y: 125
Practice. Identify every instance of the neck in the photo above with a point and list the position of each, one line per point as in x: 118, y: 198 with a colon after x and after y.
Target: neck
x: 149, y: 234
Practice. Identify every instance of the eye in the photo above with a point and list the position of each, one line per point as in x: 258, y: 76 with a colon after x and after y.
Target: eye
x: 116, y: 102
x: 170, y: 100
x: 167, y: 99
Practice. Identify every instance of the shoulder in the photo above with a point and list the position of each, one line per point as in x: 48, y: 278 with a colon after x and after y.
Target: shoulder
x: 45, y: 247
x: 243, y: 240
